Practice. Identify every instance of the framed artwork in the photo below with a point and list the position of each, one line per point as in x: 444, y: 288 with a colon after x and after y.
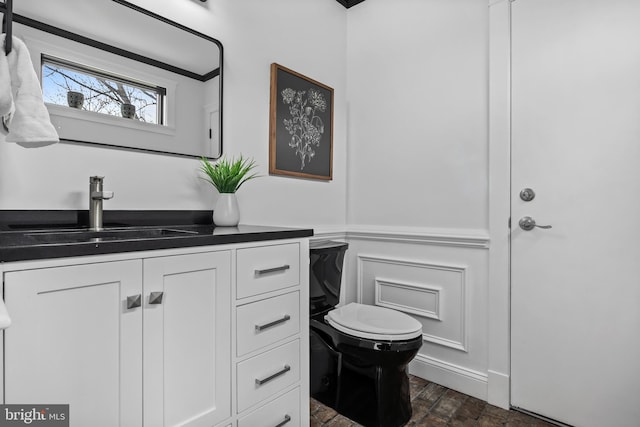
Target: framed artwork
x: 300, y: 126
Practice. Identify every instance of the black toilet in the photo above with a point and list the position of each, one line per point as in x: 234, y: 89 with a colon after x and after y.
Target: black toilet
x: 359, y: 353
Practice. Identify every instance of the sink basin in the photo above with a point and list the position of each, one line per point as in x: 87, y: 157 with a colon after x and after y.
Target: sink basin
x: 108, y: 235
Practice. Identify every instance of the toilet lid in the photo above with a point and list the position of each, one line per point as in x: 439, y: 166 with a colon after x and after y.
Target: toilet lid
x: 373, y: 322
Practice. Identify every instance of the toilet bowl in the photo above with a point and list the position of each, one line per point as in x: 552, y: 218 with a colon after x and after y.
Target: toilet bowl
x: 359, y: 353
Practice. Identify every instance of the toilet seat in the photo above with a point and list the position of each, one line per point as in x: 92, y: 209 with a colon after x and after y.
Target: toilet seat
x: 373, y: 322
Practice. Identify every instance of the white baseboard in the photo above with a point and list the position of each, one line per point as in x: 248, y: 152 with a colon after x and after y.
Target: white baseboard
x: 452, y: 376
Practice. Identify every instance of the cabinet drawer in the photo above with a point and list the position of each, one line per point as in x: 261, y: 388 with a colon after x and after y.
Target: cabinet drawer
x: 267, y: 268
x: 267, y: 321
x: 264, y: 375
x: 284, y: 411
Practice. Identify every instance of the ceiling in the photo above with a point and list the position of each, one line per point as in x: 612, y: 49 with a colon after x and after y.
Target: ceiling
x: 349, y: 3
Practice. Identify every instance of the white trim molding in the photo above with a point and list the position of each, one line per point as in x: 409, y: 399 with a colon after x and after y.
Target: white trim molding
x: 499, y: 201
x: 441, y: 237
x: 329, y: 233
x: 498, y: 389
x: 469, y: 238
x: 433, y: 291
x: 472, y: 382
x: 456, y: 345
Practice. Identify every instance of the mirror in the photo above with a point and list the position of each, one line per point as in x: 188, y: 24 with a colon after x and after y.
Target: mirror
x: 117, y: 75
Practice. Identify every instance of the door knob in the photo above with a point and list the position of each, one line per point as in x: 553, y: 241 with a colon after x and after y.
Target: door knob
x: 527, y: 224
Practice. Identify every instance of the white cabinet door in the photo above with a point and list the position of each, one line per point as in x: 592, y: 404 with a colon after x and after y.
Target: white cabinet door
x: 187, y: 340
x: 74, y: 341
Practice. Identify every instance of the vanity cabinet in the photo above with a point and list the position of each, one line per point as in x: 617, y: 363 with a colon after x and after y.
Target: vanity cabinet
x: 186, y: 338
x: 73, y: 341
x: 145, y: 339
x: 208, y: 336
x: 271, y: 351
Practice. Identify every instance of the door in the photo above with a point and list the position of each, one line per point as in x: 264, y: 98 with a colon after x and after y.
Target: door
x: 576, y: 143
x: 187, y: 339
x: 75, y: 341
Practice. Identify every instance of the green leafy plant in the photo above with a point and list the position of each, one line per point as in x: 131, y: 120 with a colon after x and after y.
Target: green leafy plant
x: 227, y: 175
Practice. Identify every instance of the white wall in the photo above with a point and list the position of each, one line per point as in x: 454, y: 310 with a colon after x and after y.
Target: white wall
x: 417, y: 84
x: 254, y: 33
x: 308, y: 36
x: 418, y: 187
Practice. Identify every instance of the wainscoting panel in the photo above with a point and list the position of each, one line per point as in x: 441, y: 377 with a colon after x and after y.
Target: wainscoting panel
x: 412, y: 298
x: 439, y: 277
x: 415, y: 288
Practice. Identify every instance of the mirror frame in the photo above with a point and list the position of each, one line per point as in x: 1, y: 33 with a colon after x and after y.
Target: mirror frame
x: 24, y: 20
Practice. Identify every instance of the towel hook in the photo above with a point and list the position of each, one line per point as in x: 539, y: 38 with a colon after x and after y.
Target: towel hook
x: 7, y: 23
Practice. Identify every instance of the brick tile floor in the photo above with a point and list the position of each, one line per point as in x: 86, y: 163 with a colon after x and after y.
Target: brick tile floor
x: 436, y: 406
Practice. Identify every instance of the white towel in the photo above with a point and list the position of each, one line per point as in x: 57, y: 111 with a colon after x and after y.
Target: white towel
x: 7, y: 106
x: 5, y: 320
x: 29, y: 124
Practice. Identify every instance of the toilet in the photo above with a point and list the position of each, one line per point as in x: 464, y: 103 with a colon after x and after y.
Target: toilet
x: 359, y: 353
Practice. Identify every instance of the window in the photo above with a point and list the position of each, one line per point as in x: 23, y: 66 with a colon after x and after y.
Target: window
x: 77, y: 86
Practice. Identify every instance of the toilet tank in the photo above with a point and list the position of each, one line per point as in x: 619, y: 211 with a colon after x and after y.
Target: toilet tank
x: 325, y: 274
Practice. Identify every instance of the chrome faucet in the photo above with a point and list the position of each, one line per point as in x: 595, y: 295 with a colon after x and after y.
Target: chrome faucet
x: 96, y: 196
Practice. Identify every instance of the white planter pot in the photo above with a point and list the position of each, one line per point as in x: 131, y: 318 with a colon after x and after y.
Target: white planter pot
x: 226, y: 213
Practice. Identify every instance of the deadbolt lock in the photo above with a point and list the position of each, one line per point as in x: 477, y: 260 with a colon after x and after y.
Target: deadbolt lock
x: 527, y: 194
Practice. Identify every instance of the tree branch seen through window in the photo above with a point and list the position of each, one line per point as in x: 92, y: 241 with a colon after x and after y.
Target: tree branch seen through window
x: 101, y: 94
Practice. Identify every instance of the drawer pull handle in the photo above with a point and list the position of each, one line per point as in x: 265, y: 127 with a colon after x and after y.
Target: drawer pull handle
x: 283, y: 371
x: 287, y: 418
x: 134, y: 301
x: 155, y: 297
x: 259, y: 328
x: 272, y: 270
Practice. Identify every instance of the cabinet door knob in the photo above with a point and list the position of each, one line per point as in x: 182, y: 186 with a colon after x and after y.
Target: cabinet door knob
x: 287, y: 418
x: 134, y: 301
x: 283, y: 371
x: 272, y: 270
x: 155, y: 297
x: 274, y: 323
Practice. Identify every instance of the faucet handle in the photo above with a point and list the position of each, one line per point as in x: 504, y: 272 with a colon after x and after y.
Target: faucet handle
x: 102, y: 195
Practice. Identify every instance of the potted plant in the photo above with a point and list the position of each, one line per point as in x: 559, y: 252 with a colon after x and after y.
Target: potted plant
x: 227, y: 176
x: 75, y: 99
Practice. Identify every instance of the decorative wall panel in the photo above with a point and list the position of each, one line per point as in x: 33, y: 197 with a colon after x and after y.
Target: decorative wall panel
x: 412, y: 298
x: 434, y: 293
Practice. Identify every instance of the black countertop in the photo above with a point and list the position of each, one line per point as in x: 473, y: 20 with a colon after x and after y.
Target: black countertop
x: 21, y: 232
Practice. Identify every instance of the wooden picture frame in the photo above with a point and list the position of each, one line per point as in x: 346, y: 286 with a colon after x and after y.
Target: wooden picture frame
x: 300, y: 126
